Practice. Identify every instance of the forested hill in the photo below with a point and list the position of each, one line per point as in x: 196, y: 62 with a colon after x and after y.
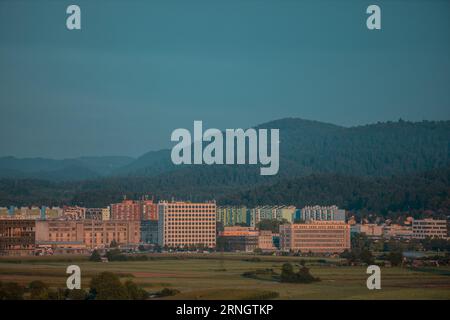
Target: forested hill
x: 428, y: 191
x: 308, y: 147
x: 419, y: 192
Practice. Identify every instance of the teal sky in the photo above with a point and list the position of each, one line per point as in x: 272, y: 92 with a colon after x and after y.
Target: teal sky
x: 140, y: 69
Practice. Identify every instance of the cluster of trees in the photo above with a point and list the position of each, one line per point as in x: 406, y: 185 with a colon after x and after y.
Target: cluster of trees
x: 105, y: 286
x: 301, y: 276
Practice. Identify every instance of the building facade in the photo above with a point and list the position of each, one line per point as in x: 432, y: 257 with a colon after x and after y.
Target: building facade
x: 429, y: 228
x: 149, y: 231
x: 17, y: 237
x: 91, y: 234
x: 184, y: 224
x: 322, y: 213
x: 315, y: 236
x: 238, y: 238
x: 233, y: 215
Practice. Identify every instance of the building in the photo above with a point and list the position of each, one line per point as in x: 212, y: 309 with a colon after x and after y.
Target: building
x: 149, y: 210
x: 315, y: 236
x: 371, y: 229
x: 97, y: 214
x: 149, y: 231
x: 17, y: 237
x: 319, y: 213
x: 397, y: 231
x: 238, y: 238
x: 91, y: 234
x: 184, y: 224
x: 280, y: 213
x: 126, y: 210
x: 265, y: 240
x: 73, y: 213
x: 429, y: 228
x: 233, y: 215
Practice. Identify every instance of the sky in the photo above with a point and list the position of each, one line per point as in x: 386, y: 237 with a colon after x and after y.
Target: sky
x: 137, y: 70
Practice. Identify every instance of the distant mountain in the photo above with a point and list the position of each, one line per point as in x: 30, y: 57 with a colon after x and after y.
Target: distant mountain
x: 308, y: 147
x: 60, y: 170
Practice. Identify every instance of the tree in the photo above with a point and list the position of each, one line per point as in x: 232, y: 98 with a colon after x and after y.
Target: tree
x: 76, y: 294
x: 113, y: 244
x: 107, y: 286
x: 95, y: 256
x: 11, y: 291
x: 366, y: 257
x: 134, y: 292
x: 38, y: 290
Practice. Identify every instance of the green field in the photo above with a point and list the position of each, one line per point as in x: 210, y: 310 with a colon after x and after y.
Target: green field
x: 215, y: 276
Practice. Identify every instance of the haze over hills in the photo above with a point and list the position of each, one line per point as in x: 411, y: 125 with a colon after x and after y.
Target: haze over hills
x: 306, y: 147
x: 60, y: 170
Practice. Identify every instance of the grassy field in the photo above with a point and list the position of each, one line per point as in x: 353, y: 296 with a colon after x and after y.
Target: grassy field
x: 215, y: 276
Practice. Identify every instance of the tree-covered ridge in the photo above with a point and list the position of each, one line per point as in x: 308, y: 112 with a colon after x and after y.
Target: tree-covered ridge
x: 429, y: 191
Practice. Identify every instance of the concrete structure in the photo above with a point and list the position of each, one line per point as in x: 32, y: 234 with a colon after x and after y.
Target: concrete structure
x: 232, y: 215
x: 429, y: 228
x: 17, y: 237
x: 330, y: 213
x: 315, y: 236
x: 184, y: 224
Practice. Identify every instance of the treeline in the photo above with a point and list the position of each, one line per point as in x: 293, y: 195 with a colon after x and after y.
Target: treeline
x: 412, y: 193
x: 428, y: 191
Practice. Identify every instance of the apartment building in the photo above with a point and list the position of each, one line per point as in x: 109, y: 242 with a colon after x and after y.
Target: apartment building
x: 315, y: 236
x: 97, y: 214
x: 322, y: 213
x: 280, y: 213
x: 232, y: 215
x: 429, y: 228
x: 73, y: 213
x: 134, y: 210
x: 129, y: 210
x: 184, y: 224
x: 149, y: 210
x: 17, y: 237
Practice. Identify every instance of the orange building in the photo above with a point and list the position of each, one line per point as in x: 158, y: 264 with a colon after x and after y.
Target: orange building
x: 88, y: 233
x: 149, y: 210
x: 126, y: 210
x: 183, y: 224
x: 17, y: 237
x: 315, y: 236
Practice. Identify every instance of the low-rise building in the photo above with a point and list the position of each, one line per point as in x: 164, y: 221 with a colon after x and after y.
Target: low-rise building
x: 315, y: 236
x: 429, y: 228
x: 238, y: 238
